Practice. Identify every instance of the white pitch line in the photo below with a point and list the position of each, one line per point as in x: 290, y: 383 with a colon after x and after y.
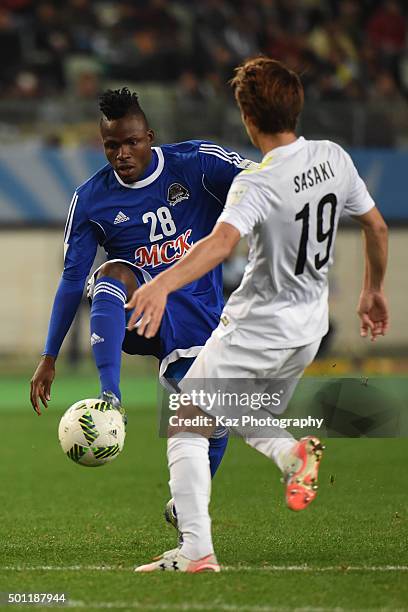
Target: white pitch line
x: 308, y: 568
x: 229, y: 568
x: 67, y: 568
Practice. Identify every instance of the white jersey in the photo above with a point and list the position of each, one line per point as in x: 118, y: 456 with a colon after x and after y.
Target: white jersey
x: 290, y: 206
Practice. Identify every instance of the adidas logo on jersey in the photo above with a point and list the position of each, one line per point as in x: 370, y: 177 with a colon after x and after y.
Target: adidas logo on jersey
x: 120, y: 218
x: 95, y: 339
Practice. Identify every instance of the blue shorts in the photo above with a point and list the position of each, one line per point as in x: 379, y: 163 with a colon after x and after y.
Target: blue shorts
x: 188, y: 321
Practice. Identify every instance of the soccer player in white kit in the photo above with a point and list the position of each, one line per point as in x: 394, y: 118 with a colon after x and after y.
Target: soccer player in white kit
x: 272, y: 325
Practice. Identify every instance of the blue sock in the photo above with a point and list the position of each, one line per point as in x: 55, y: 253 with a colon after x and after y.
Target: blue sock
x: 108, y: 326
x: 216, y: 451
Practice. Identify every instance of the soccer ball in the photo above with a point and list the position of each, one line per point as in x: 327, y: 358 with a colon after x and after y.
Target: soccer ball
x: 92, y: 432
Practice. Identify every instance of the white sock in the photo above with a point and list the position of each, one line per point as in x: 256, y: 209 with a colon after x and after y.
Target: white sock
x: 276, y: 449
x: 190, y: 485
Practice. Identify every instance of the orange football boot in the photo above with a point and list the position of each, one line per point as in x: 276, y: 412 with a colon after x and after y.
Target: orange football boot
x: 301, y: 471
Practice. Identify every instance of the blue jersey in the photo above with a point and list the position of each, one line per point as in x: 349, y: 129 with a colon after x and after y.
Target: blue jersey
x: 152, y: 223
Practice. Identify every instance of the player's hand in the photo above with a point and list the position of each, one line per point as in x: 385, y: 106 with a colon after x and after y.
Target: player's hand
x: 40, y: 386
x: 149, y: 302
x: 373, y: 312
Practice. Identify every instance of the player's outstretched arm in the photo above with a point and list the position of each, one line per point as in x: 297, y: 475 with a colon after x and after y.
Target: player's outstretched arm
x: 150, y: 300
x: 372, y: 307
x: 66, y: 302
x: 80, y: 244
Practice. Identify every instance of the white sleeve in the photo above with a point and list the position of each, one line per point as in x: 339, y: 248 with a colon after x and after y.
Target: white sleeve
x: 245, y: 207
x: 358, y: 200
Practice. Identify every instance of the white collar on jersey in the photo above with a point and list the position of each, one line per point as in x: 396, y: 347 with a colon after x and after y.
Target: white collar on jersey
x: 285, y: 149
x: 149, y: 179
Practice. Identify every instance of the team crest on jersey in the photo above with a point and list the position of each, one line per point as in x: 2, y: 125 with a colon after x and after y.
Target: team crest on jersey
x: 176, y: 193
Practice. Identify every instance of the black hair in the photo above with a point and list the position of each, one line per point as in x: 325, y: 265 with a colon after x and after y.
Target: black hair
x: 117, y: 103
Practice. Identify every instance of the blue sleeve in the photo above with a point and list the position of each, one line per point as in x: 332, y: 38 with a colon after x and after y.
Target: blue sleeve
x: 220, y: 166
x: 80, y: 241
x: 80, y: 244
x: 66, y: 302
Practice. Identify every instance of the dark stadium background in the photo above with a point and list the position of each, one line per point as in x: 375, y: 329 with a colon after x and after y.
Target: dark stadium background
x: 60, y: 525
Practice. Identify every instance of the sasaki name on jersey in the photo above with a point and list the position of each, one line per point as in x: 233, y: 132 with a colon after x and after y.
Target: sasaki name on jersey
x: 166, y: 253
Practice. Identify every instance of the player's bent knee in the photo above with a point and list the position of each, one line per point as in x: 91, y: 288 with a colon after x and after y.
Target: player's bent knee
x: 119, y: 271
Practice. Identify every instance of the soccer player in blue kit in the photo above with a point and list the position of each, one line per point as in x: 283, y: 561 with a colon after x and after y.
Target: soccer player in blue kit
x: 146, y: 208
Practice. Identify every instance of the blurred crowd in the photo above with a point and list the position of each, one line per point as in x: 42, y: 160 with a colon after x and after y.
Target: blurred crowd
x: 344, y: 49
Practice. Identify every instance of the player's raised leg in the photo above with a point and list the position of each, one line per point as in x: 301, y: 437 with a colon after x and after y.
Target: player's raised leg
x: 115, y: 281
x: 298, y: 460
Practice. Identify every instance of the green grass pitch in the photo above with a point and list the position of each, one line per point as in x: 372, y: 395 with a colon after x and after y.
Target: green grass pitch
x: 65, y: 528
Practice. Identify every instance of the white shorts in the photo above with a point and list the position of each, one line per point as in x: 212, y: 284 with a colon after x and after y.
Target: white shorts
x: 247, y: 355
x: 241, y: 363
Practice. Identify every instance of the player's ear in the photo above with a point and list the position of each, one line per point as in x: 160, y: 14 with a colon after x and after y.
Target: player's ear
x: 150, y: 135
x: 246, y: 121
